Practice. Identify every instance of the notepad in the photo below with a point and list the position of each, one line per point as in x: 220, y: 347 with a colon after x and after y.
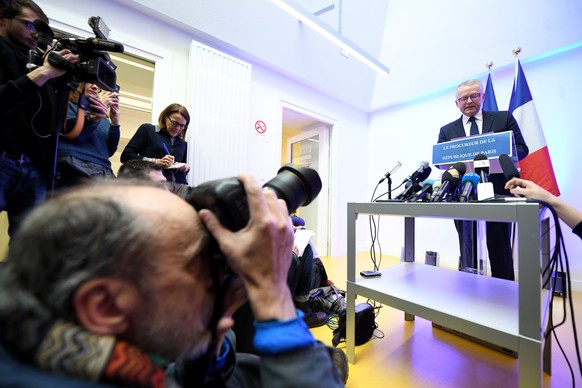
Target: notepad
x: 177, y: 165
x: 302, y: 238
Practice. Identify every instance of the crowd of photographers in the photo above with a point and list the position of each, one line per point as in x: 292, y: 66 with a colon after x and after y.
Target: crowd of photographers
x: 100, y: 288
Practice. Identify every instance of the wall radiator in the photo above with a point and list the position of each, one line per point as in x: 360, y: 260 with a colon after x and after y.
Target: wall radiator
x: 218, y: 102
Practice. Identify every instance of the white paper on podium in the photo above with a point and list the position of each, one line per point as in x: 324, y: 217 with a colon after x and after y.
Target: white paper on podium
x: 302, y: 238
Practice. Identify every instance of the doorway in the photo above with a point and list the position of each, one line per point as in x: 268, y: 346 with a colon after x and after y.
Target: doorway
x: 306, y: 143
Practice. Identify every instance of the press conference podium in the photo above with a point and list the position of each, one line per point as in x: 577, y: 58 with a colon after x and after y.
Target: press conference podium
x: 504, y: 313
x: 490, y: 146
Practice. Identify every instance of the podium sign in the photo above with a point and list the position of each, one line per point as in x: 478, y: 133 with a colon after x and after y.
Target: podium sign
x: 465, y: 149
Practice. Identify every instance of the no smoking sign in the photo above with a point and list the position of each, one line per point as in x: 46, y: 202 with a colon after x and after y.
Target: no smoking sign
x: 260, y: 127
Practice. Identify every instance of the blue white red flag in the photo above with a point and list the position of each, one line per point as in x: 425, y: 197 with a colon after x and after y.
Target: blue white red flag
x: 490, y: 102
x: 537, y: 166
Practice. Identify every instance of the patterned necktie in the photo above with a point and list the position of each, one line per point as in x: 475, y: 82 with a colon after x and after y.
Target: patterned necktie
x: 474, y: 127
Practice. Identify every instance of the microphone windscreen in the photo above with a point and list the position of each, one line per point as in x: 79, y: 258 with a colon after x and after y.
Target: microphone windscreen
x: 447, y: 177
x: 470, y: 177
x: 41, y: 26
x: 45, y: 34
x: 480, y: 157
x: 424, y: 174
x: 428, y: 182
x: 508, y: 168
x: 460, y: 167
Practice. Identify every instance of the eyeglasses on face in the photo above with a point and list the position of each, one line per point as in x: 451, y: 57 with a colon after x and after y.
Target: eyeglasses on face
x: 473, y: 97
x: 176, y: 124
x: 27, y: 24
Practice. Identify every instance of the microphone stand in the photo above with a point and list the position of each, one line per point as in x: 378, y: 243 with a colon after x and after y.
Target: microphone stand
x: 389, y: 179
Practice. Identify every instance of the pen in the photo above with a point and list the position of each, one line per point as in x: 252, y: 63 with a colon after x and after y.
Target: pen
x: 165, y: 148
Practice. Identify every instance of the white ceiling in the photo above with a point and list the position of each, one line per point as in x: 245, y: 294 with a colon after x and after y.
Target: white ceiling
x: 429, y: 46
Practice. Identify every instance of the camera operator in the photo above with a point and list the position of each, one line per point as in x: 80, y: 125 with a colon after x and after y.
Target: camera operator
x: 27, y: 109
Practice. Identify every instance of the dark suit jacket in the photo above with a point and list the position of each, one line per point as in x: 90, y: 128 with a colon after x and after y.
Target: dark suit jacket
x: 500, y: 121
x: 492, y: 122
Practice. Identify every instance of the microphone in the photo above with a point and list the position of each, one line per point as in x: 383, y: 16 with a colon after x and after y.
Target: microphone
x: 95, y: 44
x: 436, y: 186
x: 394, y: 169
x: 449, y: 182
x: 508, y: 168
x: 45, y: 34
x: 414, y: 176
x: 460, y: 167
x: 457, y: 170
x: 426, y: 191
x: 410, y: 190
x: 481, y: 164
x: 469, y: 182
x: 484, y: 188
x: 414, y: 186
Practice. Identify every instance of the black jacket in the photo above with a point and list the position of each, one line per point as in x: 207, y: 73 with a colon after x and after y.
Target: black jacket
x: 148, y: 142
x: 27, y: 111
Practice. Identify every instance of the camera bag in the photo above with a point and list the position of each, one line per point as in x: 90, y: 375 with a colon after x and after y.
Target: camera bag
x: 365, y: 325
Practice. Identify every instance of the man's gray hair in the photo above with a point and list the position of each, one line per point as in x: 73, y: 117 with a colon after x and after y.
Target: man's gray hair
x: 76, y: 237
x: 471, y: 82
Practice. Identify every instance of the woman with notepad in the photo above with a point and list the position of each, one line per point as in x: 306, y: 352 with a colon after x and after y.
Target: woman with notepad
x: 163, y: 144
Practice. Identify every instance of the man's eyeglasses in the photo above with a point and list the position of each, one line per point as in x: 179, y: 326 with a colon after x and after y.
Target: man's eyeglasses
x: 177, y: 124
x: 473, y: 97
x: 27, y: 24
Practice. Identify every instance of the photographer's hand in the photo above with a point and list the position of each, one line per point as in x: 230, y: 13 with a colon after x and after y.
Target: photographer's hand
x: 43, y: 73
x: 260, y: 252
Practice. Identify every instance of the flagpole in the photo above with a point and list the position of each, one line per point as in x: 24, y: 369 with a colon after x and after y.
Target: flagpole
x: 516, y: 52
x: 488, y: 65
x: 490, y: 102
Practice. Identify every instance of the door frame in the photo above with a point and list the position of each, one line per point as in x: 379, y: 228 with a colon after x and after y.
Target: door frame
x: 322, y: 241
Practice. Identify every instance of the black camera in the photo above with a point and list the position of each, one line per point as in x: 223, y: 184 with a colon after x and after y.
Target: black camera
x: 94, y: 66
x: 297, y: 186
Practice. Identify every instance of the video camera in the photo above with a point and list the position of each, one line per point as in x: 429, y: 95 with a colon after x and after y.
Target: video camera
x: 94, y: 66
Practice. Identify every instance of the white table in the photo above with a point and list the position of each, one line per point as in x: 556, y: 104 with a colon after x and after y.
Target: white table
x: 504, y: 313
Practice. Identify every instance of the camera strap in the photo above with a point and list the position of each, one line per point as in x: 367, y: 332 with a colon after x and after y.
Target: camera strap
x: 213, y: 372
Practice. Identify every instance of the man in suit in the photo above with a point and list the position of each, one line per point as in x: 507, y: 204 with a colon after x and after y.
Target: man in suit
x: 469, y: 98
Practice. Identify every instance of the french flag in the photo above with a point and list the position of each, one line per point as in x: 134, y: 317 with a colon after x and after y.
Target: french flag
x: 537, y: 166
x: 490, y: 102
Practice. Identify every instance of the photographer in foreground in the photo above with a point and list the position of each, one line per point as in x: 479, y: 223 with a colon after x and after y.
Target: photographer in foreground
x: 129, y: 284
x: 27, y: 106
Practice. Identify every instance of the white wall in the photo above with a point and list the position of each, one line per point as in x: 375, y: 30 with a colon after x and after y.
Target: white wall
x: 169, y: 48
x: 407, y: 133
x: 348, y: 143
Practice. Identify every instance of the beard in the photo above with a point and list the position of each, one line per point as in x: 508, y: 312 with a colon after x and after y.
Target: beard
x: 163, y: 330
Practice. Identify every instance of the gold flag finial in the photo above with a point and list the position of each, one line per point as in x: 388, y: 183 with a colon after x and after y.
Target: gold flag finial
x: 516, y: 51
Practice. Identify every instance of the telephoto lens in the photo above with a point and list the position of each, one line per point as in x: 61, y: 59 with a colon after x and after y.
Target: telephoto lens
x: 297, y: 186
